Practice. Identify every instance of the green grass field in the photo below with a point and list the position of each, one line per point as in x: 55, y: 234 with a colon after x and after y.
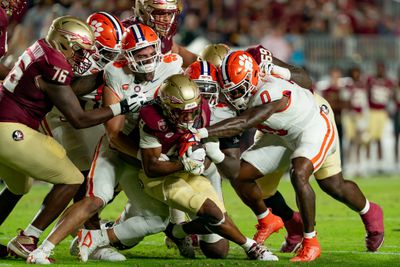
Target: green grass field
x: 340, y: 231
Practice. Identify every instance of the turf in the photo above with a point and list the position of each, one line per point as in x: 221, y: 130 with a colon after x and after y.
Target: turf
x: 340, y: 231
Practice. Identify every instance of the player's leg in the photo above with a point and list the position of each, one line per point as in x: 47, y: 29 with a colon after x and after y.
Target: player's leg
x: 49, y: 163
x: 262, y: 158
x: 16, y: 185
x: 101, y: 183
x: 195, y: 195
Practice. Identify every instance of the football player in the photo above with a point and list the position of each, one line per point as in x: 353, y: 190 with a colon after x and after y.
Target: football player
x: 141, y: 73
x: 179, y: 183
x: 380, y: 90
x: 278, y: 103
x: 162, y: 17
x: 46, y: 69
x: 80, y: 143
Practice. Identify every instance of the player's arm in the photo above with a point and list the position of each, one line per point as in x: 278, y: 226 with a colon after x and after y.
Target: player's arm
x: 297, y: 74
x: 154, y: 167
x: 66, y: 101
x: 246, y: 120
x: 84, y: 85
x: 114, y: 126
x: 187, y: 56
x: 231, y: 165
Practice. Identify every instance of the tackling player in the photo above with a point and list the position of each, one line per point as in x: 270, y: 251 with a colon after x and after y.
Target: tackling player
x: 141, y: 73
x: 277, y: 112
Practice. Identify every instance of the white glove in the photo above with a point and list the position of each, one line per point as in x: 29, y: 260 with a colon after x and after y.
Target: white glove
x: 214, y: 153
x: 193, y: 161
x: 199, y: 133
x: 132, y: 103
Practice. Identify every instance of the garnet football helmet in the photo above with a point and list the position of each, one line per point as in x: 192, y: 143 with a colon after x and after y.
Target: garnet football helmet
x: 108, y: 31
x: 161, y: 15
x: 214, y: 53
x: 181, y: 100
x: 137, y: 37
x: 205, y: 75
x: 75, y: 39
x: 238, y: 78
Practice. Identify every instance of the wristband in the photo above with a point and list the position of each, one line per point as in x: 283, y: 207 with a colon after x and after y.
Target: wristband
x: 283, y: 72
x: 116, y: 109
x: 218, y: 157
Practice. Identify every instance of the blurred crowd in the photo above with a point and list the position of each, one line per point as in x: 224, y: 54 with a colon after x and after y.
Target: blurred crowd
x: 277, y: 25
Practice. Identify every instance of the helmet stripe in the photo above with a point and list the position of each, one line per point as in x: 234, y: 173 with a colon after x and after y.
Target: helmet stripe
x: 205, y: 68
x: 137, y: 33
x: 116, y: 24
x: 224, y: 67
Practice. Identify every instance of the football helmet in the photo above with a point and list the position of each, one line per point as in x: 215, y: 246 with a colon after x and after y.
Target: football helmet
x: 75, y: 39
x: 214, y: 53
x: 138, y: 37
x: 205, y: 75
x: 13, y: 6
x: 108, y: 31
x: 238, y: 78
x: 181, y: 100
x: 161, y: 15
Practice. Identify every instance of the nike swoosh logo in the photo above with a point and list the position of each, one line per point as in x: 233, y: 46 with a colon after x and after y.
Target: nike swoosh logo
x: 155, y: 80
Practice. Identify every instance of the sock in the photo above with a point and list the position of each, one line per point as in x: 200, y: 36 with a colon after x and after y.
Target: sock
x: 8, y: 200
x: 278, y: 204
x: 177, y: 216
x: 310, y: 235
x: 32, y: 231
x: 366, y: 208
x: 263, y: 215
x: 249, y: 242
x: 178, y: 231
x: 47, y: 246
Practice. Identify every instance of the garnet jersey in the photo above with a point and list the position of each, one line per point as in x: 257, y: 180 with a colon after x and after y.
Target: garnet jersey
x: 166, y: 41
x: 262, y: 56
x: 301, y: 111
x: 379, y: 92
x: 121, y: 80
x: 3, y: 32
x: 358, y: 97
x: 156, y: 130
x: 22, y: 101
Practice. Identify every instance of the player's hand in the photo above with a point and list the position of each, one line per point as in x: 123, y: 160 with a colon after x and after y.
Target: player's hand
x: 132, y: 103
x: 199, y: 133
x: 193, y: 161
x: 214, y: 153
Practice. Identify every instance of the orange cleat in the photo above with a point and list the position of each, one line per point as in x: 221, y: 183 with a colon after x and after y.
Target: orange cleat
x: 266, y: 226
x: 309, y: 251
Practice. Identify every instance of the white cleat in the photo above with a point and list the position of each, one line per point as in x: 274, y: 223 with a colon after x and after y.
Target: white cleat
x: 107, y: 254
x: 39, y: 256
x: 89, y: 241
x: 260, y: 253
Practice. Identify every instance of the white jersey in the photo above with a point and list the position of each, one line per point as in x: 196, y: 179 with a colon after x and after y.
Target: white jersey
x: 301, y: 112
x: 302, y: 126
x: 221, y: 112
x: 122, y: 82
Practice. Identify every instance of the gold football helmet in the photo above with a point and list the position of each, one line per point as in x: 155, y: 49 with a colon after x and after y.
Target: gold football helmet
x: 161, y: 15
x: 180, y: 100
x: 75, y: 39
x: 214, y: 53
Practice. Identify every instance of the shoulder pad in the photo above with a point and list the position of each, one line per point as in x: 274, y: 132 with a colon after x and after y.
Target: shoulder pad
x: 53, y: 57
x: 151, y: 114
